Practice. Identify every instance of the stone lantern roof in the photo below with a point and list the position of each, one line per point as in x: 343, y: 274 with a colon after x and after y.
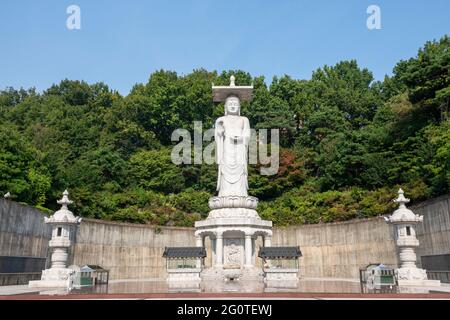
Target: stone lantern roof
x: 63, y: 215
x: 403, y: 214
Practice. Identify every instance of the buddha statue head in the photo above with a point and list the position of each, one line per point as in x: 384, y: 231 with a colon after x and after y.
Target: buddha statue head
x: 232, y: 105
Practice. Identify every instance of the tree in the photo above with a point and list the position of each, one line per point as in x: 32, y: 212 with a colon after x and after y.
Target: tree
x: 153, y: 169
x: 21, y: 172
x: 427, y: 78
x: 347, y: 142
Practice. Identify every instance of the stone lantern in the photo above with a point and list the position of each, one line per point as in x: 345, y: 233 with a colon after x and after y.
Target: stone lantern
x: 405, y: 223
x: 62, y: 222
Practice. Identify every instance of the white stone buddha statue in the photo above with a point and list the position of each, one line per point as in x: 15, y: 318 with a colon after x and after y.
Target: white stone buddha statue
x: 232, y: 135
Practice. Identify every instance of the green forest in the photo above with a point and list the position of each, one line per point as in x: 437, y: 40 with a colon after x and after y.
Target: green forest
x: 347, y: 142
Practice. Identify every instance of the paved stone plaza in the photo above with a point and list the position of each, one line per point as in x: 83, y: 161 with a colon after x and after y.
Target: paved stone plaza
x: 313, y: 288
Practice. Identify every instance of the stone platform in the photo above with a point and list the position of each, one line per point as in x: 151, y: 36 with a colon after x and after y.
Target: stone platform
x: 233, y: 225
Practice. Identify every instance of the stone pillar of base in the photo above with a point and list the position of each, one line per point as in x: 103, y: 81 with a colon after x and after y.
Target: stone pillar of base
x: 219, y: 250
x: 198, y: 243
x: 248, y: 251
x: 268, y: 241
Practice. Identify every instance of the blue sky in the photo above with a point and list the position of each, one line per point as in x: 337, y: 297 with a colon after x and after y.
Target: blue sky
x: 122, y: 42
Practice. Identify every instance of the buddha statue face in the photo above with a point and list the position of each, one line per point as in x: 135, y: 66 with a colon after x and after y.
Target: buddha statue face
x: 232, y: 105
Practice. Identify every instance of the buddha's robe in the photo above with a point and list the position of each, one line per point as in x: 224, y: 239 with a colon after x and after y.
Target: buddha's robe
x: 232, y: 135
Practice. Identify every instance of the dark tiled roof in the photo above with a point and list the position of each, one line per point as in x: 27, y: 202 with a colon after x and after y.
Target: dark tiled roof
x: 95, y: 267
x: 279, y: 252
x: 184, y: 252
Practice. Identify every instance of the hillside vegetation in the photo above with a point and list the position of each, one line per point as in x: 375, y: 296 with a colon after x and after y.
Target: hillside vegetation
x: 347, y: 142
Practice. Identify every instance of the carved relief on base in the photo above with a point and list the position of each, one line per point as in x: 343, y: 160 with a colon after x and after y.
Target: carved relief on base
x: 411, y: 274
x: 233, y: 254
x: 56, y: 274
x: 233, y: 213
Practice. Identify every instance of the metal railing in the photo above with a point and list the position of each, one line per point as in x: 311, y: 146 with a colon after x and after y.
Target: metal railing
x: 11, y: 279
x: 443, y: 275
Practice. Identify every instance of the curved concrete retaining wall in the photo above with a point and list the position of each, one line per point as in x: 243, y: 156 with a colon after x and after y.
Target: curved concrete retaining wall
x: 127, y: 250
x: 434, y: 232
x: 22, y: 230
x: 335, y: 250
x: 338, y: 250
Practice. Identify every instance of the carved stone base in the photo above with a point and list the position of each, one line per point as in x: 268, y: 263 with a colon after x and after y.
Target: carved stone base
x: 414, y: 277
x: 234, y: 226
x: 53, y: 278
x: 411, y: 274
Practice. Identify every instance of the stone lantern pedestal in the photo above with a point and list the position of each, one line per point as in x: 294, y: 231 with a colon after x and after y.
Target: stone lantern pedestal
x: 405, y: 222
x: 62, y: 223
